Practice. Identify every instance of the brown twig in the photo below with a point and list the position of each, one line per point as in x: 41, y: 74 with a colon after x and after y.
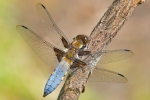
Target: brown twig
x: 101, y: 36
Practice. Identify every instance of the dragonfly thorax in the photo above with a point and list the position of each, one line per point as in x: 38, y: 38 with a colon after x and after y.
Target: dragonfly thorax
x: 71, y: 53
x: 79, y: 43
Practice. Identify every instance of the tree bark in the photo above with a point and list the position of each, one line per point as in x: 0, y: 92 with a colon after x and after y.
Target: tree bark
x: 102, y: 34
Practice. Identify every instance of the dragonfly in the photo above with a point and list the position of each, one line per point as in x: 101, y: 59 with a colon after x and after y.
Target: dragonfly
x: 67, y: 55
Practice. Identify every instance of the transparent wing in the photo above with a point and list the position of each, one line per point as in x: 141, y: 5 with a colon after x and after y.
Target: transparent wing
x: 41, y: 47
x: 51, y: 29
x: 109, y: 56
x: 104, y: 75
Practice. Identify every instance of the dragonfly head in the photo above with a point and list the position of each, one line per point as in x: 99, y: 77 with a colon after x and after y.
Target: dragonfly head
x: 80, y: 41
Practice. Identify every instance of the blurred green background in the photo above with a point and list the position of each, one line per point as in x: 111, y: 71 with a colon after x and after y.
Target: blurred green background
x: 23, y: 75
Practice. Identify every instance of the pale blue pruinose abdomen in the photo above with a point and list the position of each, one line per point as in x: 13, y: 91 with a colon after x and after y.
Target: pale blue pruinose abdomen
x: 56, y: 77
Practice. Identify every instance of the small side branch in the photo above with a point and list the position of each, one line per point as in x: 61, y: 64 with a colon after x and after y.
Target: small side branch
x: 101, y: 36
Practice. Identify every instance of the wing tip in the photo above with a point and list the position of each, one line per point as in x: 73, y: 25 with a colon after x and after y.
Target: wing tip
x: 21, y: 26
x: 126, y: 50
x: 41, y: 5
x: 129, y: 51
x: 24, y: 27
x: 125, y: 79
x: 121, y: 75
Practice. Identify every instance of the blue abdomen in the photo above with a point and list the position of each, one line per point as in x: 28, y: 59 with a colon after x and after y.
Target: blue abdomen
x: 56, y: 77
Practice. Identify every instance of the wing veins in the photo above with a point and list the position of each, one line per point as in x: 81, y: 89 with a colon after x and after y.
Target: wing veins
x: 42, y: 48
x: 104, y: 75
x: 51, y: 29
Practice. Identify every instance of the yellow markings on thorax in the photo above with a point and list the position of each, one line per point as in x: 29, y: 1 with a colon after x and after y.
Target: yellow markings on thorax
x: 69, y: 61
x: 77, y: 44
x: 71, y: 53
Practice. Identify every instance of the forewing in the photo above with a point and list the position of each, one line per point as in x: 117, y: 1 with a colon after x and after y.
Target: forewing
x: 109, y: 56
x: 104, y: 75
x: 41, y: 47
x: 51, y: 29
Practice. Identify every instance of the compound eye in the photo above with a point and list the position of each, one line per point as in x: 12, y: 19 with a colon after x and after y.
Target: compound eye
x: 85, y: 39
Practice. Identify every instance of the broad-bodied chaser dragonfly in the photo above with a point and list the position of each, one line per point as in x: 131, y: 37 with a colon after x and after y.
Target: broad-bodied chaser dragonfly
x: 66, y: 55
